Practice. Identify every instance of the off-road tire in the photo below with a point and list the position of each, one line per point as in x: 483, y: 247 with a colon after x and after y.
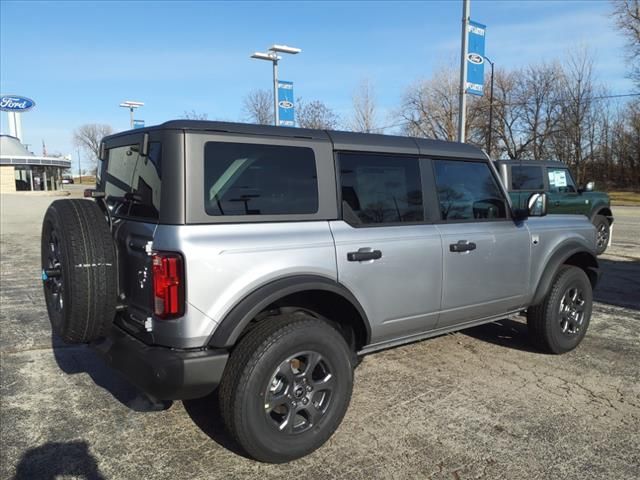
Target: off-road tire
x: 544, y: 321
x: 249, y: 374
x: 78, y: 251
x: 603, y: 232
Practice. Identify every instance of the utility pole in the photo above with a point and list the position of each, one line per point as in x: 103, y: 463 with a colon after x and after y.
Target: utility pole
x: 276, y: 112
x: 490, y: 109
x: 466, y: 12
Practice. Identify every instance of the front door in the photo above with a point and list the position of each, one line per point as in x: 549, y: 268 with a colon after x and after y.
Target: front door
x: 563, y: 194
x: 485, y: 254
x: 388, y: 256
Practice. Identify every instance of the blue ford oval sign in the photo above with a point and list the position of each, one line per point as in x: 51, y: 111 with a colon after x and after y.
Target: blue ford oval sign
x: 16, y: 103
x: 285, y: 104
x: 475, y: 58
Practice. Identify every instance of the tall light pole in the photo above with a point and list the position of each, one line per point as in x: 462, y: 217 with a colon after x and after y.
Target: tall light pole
x: 490, y: 108
x: 466, y: 12
x: 272, y: 56
x: 131, y: 105
x: 79, y: 167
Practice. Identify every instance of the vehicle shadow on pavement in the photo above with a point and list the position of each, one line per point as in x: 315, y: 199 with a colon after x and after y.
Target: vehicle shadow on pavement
x: 504, y: 333
x: 619, y: 284
x: 56, y: 459
x: 205, y: 413
x: 75, y: 359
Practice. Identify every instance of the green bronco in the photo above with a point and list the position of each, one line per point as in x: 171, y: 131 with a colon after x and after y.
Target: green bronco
x: 525, y: 177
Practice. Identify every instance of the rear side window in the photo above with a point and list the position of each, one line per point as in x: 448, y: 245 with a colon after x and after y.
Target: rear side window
x: 526, y: 178
x: 132, y: 181
x: 254, y: 179
x: 380, y: 189
x: 468, y: 191
x: 560, y: 180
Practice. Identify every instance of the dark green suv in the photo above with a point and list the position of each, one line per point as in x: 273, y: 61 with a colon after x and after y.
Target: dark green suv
x: 525, y: 177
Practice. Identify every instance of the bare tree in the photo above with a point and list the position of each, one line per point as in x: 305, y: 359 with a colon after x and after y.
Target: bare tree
x: 89, y: 136
x: 193, y: 115
x: 627, y: 16
x: 364, y: 109
x: 315, y: 114
x: 258, y: 107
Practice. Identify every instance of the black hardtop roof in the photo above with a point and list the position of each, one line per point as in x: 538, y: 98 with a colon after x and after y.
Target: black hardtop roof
x: 346, y: 141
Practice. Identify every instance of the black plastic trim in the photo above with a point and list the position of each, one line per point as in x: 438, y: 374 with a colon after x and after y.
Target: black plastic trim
x: 232, y: 326
x: 555, y: 262
x: 163, y: 373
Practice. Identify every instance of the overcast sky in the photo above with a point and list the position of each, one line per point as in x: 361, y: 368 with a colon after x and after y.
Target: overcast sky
x: 79, y: 60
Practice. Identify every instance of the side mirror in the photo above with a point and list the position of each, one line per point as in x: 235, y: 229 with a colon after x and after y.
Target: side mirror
x: 537, y: 204
x: 590, y: 186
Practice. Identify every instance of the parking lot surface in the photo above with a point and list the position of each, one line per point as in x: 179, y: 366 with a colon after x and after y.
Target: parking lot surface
x: 480, y: 403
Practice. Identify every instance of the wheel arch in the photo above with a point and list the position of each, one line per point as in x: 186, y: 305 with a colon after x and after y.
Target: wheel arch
x: 604, y: 211
x: 308, y: 292
x: 575, y: 255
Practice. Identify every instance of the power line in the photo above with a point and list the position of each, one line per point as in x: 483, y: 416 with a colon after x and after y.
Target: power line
x: 514, y: 104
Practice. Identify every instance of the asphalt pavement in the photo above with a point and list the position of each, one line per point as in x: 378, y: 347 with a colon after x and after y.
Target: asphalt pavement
x: 480, y: 403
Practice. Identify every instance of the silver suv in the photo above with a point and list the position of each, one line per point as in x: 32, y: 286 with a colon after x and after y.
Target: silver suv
x: 264, y: 261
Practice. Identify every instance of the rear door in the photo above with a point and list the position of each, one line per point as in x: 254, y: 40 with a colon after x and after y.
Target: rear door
x: 485, y: 254
x: 388, y: 254
x: 132, y: 185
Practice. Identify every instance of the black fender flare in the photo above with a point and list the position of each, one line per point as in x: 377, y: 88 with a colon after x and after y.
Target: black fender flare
x: 604, y: 210
x: 232, y: 325
x: 559, y: 258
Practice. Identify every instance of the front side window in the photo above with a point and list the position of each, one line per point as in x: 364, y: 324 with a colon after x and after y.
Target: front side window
x: 132, y: 181
x: 468, y: 191
x: 560, y: 180
x: 380, y: 189
x: 254, y: 179
x: 526, y: 178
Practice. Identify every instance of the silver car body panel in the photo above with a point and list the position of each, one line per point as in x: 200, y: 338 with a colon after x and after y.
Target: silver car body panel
x: 417, y: 286
x: 225, y: 262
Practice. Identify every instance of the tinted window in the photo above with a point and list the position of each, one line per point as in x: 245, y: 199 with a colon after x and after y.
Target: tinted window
x: 467, y: 191
x: 380, y: 189
x: 132, y: 182
x: 252, y: 179
x: 526, y: 178
x: 560, y: 180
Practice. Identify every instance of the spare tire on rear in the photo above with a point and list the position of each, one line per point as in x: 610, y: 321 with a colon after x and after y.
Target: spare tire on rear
x: 78, y: 270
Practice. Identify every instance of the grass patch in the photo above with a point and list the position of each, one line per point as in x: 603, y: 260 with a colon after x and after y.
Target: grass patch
x: 625, y: 198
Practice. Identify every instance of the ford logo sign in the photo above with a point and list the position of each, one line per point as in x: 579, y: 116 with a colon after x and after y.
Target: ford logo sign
x: 475, y: 58
x: 15, y: 103
x: 285, y: 104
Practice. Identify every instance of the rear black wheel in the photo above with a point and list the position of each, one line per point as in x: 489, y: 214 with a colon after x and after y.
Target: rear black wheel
x: 560, y: 322
x: 286, y: 387
x: 78, y: 270
x: 603, y: 233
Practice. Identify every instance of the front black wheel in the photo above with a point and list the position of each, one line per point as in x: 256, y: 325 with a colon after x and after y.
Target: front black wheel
x: 286, y: 387
x: 603, y: 233
x: 560, y: 322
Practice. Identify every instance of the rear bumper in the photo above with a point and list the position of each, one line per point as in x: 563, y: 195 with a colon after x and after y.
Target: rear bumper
x: 163, y: 373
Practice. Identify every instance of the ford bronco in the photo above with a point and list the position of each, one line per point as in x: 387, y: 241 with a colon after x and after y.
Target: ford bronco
x: 525, y: 177
x: 264, y: 261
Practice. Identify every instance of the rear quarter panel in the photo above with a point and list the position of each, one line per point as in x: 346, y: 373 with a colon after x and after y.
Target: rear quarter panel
x: 226, y: 262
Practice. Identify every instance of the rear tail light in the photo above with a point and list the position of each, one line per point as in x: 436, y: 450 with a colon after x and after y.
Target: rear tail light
x: 168, y: 285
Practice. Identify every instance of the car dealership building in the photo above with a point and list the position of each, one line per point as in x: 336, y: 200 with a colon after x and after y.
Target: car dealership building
x: 21, y: 170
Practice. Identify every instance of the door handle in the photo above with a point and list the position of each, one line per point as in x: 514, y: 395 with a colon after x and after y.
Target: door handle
x: 557, y: 203
x: 361, y: 255
x: 462, y: 246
